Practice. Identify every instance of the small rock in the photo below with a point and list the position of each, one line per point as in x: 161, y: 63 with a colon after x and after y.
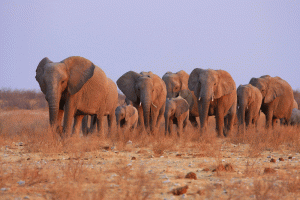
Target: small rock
x: 4, y: 189
x: 180, y: 190
x: 133, y: 158
x: 290, y: 157
x: 178, y: 155
x: 269, y: 170
x: 21, y: 182
x: 129, y: 142
x: 191, y: 175
x: 201, y: 192
x: 26, y: 197
x: 167, y: 181
x: 281, y: 159
x: 273, y: 160
x: 206, y: 169
x: 28, y: 159
x: 106, y: 148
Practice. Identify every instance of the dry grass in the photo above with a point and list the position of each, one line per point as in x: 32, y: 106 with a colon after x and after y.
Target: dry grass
x: 101, y: 167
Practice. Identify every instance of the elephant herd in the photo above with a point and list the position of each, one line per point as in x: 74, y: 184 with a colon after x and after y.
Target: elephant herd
x: 75, y: 88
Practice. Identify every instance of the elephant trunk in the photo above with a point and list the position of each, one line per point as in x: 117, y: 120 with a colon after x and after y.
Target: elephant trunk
x: 146, y: 100
x: 53, y: 99
x: 205, y: 103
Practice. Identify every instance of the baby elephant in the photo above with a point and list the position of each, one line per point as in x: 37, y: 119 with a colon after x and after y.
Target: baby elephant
x: 176, y: 112
x: 127, y: 117
x: 249, y: 100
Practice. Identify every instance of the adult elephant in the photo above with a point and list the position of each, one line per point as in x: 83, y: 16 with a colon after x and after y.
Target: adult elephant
x: 148, y: 93
x: 248, y: 105
x: 216, y: 93
x: 277, y: 98
x: 177, y: 85
x: 73, y: 87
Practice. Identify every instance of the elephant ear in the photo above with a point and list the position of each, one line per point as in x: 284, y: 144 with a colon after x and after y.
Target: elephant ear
x: 129, y: 112
x: 194, y: 81
x: 126, y: 83
x: 226, y: 84
x: 80, y: 71
x: 188, y: 96
x: 275, y: 90
x: 184, y: 78
x: 181, y: 106
x: 158, y: 85
x: 40, y: 71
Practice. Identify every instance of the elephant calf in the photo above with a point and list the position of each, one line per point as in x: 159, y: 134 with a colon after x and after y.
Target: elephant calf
x: 249, y: 100
x: 295, y: 117
x: 177, y: 112
x: 127, y: 117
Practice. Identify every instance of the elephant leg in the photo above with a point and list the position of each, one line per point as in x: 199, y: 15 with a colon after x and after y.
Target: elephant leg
x: 77, y: 124
x: 141, y: 117
x: 193, y: 121
x: 269, y: 117
x: 219, y: 123
x: 167, y: 122
x: 69, y: 116
x: 170, y: 126
x: 59, y: 121
x: 84, y: 125
x: 153, y: 120
x: 179, y: 127
x: 100, y: 126
x: 110, y: 120
x: 160, y: 116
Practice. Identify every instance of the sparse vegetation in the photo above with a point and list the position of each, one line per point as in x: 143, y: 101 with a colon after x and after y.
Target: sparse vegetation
x: 37, y: 163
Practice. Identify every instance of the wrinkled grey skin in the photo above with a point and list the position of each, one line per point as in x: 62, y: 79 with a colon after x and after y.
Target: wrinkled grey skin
x: 147, y: 92
x: 127, y: 117
x: 177, y: 85
x: 249, y: 101
x: 216, y: 93
x: 277, y: 98
x: 73, y: 87
x: 177, y: 112
x: 111, y: 102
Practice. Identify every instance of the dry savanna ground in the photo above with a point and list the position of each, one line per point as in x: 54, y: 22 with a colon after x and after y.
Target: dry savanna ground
x: 37, y: 164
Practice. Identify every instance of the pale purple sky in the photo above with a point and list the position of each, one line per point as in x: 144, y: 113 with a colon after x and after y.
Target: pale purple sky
x: 246, y: 38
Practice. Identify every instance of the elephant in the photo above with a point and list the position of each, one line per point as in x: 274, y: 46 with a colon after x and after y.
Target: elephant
x: 177, y: 112
x: 177, y: 84
x: 216, y: 93
x: 248, y: 105
x: 148, y: 93
x: 73, y: 88
x: 111, y: 103
x: 277, y: 98
x: 127, y: 117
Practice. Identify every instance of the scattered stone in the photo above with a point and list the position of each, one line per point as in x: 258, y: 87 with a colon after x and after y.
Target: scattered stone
x: 228, y: 168
x: 26, y: 197
x: 21, y: 182
x: 106, y: 148
x: 191, y: 175
x: 269, y: 170
x: 206, y: 169
x: 167, y: 181
x: 129, y: 142
x: 28, y: 158
x: 201, y: 192
x: 218, y: 185
x: 4, y: 189
x: 273, y: 160
x: 290, y: 157
x: 180, y: 190
x: 178, y: 155
x: 133, y: 158
x: 281, y: 159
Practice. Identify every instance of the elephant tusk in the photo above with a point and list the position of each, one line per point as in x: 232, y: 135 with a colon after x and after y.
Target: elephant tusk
x: 154, y: 105
x: 140, y: 103
x: 212, y: 99
x: 199, y: 99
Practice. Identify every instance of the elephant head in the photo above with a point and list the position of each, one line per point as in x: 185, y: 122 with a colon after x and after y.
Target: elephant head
x: 145, y: 89
x: 123, y: 114
x: 209, y: 85
x: 270, y: 87
x: 61, y: 79
x: 175, y: 82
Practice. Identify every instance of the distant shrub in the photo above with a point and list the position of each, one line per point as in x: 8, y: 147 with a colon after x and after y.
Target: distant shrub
x: 22, y: 99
